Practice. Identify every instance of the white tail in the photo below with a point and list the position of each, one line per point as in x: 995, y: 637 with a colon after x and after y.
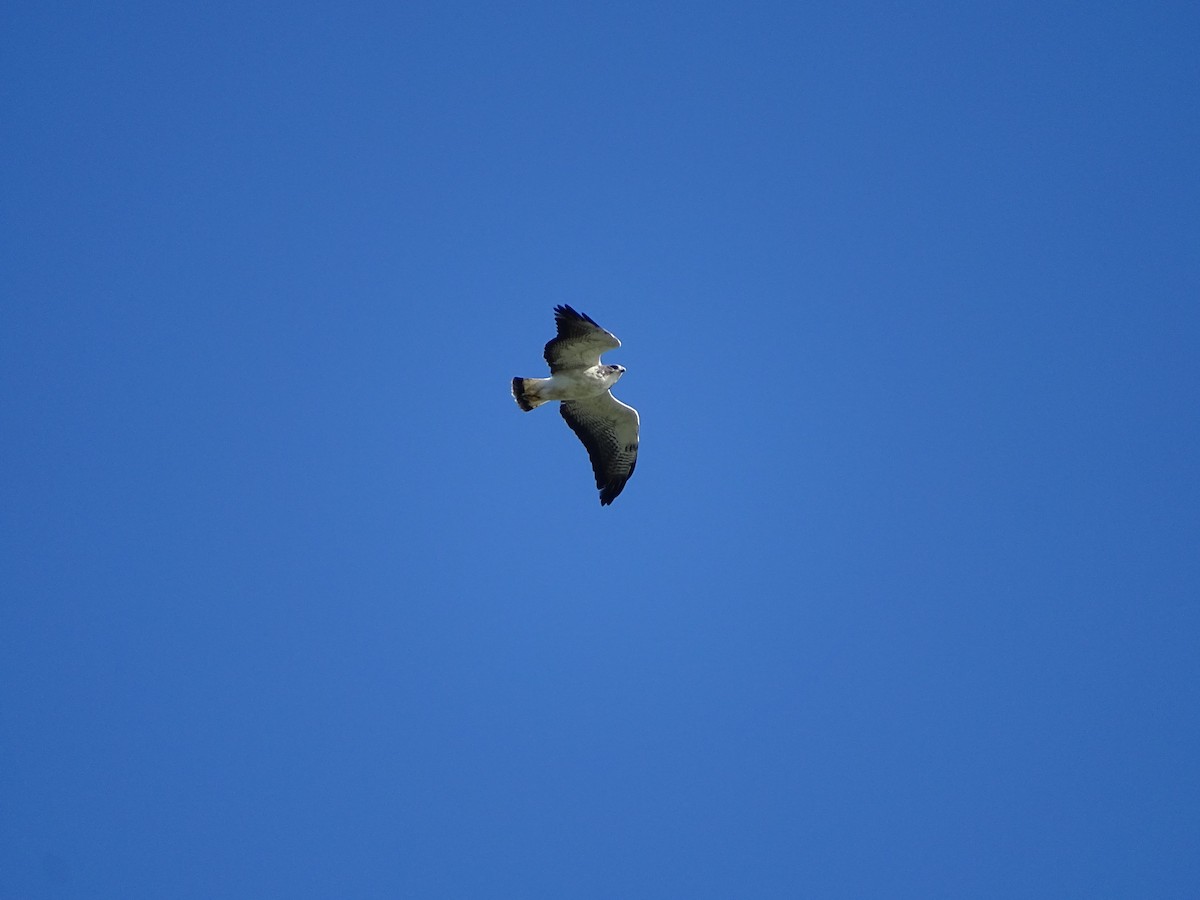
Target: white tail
x: 525, y: 392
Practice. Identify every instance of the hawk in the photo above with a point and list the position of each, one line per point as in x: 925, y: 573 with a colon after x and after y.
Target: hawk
x: 607, y: 427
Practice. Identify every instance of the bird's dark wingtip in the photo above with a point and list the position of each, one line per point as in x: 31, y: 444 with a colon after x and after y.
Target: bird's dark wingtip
x: 610, y: 492
x: 564, y: 311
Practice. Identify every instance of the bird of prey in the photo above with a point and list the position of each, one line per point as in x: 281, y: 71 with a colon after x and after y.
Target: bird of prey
x: 607, y: 427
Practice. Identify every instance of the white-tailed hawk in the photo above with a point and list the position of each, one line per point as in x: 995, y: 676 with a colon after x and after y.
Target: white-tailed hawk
x: 607, y: 427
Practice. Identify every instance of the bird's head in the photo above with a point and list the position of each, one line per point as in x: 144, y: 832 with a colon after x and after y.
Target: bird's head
x: 616, y: 372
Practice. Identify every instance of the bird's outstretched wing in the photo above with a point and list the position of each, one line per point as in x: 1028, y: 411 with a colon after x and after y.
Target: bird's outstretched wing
x: 580, y: 341
x: 609, y: 431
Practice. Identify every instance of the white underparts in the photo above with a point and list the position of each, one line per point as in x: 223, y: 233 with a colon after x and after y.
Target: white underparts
x: 572, y: 384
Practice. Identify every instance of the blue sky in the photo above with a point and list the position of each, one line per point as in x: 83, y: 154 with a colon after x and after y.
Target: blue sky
x: 902, y: 601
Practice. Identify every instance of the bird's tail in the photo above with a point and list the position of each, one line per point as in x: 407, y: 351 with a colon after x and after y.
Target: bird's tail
x: 525, y: 392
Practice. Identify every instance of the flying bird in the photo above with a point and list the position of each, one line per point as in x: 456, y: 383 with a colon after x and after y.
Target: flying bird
x: 607, y: 427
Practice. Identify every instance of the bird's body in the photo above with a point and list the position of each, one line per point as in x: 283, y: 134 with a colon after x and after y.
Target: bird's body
x: 606, y: 426
x: 569, y: 384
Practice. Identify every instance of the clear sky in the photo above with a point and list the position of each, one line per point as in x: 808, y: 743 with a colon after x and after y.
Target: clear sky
x: 902, y: 601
